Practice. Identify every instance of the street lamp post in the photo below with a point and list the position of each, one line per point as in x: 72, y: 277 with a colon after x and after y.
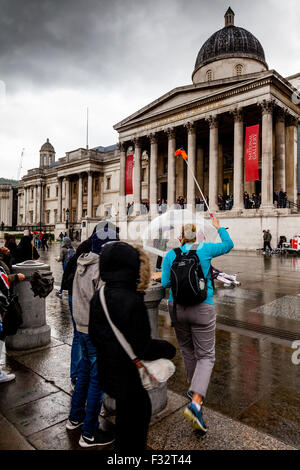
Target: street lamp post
x: 67, y: 221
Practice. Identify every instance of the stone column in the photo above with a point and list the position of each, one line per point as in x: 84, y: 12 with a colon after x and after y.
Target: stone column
x: 25, y: 205
x: 279, y: 170
x: 267, y: 155
x: 34, y: 219
x: 192, y: 166
x: 291, y: 158
x: 220, y: 170
x: 79, y: 205
x: 171, y: 167
x: 180, y: 176
x: 200, y: 169
x: 59, y: 202
x: 153, y: 175
x: 137, y: 185
x: 90, y: 195
x: 238, y: 160
x: 213, y: 162
x: 122, y: 195
x: 40, y: 214
x: 67, y: 195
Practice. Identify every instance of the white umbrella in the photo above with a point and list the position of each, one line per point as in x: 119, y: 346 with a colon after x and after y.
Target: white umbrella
x: 163, y: 232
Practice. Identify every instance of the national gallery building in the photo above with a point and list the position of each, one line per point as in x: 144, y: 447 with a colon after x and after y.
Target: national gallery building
x: 232, y: 89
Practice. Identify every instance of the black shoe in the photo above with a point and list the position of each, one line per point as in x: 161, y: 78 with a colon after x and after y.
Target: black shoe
x: 100, y: 438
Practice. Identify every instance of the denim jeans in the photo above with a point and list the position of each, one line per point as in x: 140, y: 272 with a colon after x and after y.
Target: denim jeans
x: 87, y: 389
x: 76, y: 352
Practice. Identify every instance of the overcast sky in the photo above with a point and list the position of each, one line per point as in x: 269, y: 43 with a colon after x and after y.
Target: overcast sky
x: 115, y: 56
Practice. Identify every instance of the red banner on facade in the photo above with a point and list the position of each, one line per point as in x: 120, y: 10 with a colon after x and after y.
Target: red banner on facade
x: 128, y: 175
x: 251, y: 153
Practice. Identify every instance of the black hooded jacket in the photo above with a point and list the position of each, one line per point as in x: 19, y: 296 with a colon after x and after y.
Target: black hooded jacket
x: 118, y: 375
x: 25, y: 250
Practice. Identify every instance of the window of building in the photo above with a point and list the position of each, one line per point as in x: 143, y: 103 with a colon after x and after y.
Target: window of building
x: 32, y: 194
x: 47, y: 217
x: 31, y: 217
x: 108, y: 182
x: 64, y: 215
x: 56, y: 191
x: 48, y: 192
x: 74, y: 188
x: 239, y: 69
x: 85, y: 188
x: 209, y: 75
x: 55, y: 216
x: 144, y: 174
x: 96, y: 185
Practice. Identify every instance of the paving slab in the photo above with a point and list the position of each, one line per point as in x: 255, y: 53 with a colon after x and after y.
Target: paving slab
x: 52, y: 364
x: 27, y: 387
x: 10, y: 438
x: 54, y: 342
x: 40, y: 414
x: 58, y: 438
x: 175, y: 432
x: 277, y: 413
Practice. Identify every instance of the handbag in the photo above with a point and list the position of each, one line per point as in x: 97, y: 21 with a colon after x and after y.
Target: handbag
x: 152, y: 373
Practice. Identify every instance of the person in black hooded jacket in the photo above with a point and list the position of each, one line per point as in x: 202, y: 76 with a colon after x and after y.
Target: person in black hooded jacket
x: 126, y: 271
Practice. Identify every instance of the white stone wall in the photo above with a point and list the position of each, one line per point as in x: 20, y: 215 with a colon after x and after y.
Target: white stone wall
x: 225, y: 68
x: 6, y: 204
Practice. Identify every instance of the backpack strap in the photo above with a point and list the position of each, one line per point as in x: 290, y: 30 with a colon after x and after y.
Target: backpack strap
x: 178, y: 252
x: 193, y: 249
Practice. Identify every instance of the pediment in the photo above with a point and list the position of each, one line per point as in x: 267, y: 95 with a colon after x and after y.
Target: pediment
x: 181, y: 96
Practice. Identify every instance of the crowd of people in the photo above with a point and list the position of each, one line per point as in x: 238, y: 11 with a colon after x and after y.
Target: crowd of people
x: 98, y: 364
x: 225, y: 202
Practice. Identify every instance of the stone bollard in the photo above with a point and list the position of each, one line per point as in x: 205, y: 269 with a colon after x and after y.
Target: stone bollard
x: 34, y: 331
x: 154, y: 294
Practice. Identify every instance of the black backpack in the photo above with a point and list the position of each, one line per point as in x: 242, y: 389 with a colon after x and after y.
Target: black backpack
x: 188, y: 284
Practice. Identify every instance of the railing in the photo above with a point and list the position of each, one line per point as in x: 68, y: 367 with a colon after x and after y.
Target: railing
x: 293, y: 205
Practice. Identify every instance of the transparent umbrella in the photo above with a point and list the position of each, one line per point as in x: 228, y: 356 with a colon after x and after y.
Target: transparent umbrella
x: 163, y: 232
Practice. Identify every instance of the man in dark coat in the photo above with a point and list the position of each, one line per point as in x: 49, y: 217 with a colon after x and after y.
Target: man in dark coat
x: 122, y: 267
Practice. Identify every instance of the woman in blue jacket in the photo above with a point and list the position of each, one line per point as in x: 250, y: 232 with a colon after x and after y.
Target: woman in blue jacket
x: 195, y: 325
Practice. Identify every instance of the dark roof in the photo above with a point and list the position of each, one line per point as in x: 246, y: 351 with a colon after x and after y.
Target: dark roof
x: 230, y: 41
x: 105, y: 149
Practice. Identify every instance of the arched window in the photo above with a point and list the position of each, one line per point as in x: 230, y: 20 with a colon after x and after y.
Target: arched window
x: 209, y: 75
x: 238, y: 69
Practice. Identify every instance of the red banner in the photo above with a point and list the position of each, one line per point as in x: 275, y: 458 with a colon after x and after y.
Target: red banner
x: 251, y: 153
x: 128, y: 175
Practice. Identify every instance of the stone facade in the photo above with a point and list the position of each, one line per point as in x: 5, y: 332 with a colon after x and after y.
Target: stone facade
x: 232, y: 88
x: 83, y: 185
x: 8, y: 205
x: 208, y: 119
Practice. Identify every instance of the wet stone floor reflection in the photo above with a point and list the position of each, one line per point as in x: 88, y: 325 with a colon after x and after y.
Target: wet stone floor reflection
x: 254, y: 381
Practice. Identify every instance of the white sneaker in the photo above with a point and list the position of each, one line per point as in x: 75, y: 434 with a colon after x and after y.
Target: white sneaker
x: 6, y: 377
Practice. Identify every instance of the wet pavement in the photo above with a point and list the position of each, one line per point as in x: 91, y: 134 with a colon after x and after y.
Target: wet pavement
x: 254, y: 396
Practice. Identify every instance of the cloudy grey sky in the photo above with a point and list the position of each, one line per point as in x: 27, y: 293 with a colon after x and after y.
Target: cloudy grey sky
x: 115, y: 56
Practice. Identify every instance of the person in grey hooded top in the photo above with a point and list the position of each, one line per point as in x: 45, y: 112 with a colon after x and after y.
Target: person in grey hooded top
x: 87, y: 397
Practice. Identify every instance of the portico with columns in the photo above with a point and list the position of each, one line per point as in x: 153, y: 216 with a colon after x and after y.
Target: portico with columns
x: 232, y: 89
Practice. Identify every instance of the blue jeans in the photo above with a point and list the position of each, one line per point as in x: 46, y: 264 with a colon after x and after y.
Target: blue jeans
x: 87, y: 389
x: 76, y: 352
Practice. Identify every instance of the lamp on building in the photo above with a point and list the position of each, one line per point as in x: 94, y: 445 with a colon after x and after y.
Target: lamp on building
x: 67, y: 220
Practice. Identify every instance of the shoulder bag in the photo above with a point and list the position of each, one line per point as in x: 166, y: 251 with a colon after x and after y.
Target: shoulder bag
x: 152, y: 373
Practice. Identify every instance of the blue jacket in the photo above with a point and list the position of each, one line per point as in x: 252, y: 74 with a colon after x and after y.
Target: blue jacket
x: 205, y: 252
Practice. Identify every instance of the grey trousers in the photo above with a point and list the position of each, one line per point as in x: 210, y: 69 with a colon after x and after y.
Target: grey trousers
x: 195, y: 329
